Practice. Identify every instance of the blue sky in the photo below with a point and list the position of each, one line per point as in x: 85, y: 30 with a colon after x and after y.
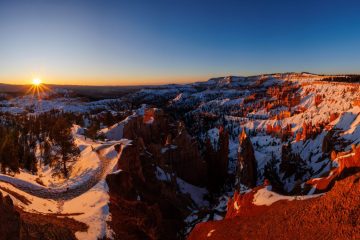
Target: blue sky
x: 144, y: 42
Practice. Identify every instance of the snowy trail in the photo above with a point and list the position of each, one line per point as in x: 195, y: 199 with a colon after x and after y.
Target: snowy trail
x: 63, y: 193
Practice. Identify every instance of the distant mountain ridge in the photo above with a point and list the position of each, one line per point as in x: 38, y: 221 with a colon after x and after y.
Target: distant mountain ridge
x: 224, y: 79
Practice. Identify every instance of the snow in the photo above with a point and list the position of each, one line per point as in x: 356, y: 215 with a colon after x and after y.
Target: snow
x: 196, y: 193
x: 214, y: 96
x: 344, y: 122
x: 95, y: 211
x: 161, y: 175
x: 210, y: 232
x: 90, y: 208
x: 267, y: 197
x: 87, y: 202
x: 213, y: 135
x: 36, y: 205
x: 116, y: 131
x: 351, y: 126
x: 66, y: 104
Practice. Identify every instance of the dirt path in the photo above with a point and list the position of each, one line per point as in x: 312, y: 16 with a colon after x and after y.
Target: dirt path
x: 63, y: 193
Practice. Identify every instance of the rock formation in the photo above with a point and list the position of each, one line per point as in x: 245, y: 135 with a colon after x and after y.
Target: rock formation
x: 185, y: 158
x: 292, y: 164
x: 10, y: 223
x: 223, y: 153
x: 16, y: 224
x: 331, y: 216
x: 247, y: 171
x: 130, y: 160
x: 217, y: 160
x: 141, y: 206
x: 168, y: 144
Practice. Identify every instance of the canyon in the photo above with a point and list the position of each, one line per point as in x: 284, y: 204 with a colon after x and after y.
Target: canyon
x: 273, y: 155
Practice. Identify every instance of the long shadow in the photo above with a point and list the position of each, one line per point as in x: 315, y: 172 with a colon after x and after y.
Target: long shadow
x: 62, y: 193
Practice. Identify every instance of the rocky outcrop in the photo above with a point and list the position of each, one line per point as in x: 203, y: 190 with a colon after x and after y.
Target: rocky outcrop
x: 247, y: 171
x: 129, y: 160
x: 131, y: 217
x: 347, y: 165
x: 141, y: 206
x: 241, y: 205
x: 217, y: 160
x: 16, y: 224
x: 292, y: 165
x: 151, y: 127
x: 10, y: 223
x: 49, y: 227
x: 223, y: 154
x: 328, y: 142
x: 121, y: 184
x: 168, y: 142
x: 185, y: 158
x: 350, y: 162
x: 334, y: 215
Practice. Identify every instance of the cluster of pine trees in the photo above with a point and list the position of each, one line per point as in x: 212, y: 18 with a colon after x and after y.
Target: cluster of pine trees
x: 25, y: 139
x: 95, y: 121
x: 348, y: 78
x: 290, y: 164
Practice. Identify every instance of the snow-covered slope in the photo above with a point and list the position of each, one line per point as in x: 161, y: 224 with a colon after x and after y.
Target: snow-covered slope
x: 275, y: 110
x: 84, y: 196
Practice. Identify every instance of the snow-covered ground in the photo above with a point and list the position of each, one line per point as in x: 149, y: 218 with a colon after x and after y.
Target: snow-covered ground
x: 197, y: 194
x: 267, y: 197
x: 84, y: 196
x: 35, y: 105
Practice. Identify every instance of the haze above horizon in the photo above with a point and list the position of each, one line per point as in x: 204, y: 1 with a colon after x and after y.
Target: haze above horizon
x: 143, y: 42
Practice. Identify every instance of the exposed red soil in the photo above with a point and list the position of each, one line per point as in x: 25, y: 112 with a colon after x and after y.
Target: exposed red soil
x: 244, y: 205
x: 322, y: 184
x: 345, y: 165
x: 336, y: 215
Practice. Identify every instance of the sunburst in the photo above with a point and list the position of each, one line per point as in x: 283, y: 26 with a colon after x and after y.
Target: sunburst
x: 36, y: 81
x: 37, y: 88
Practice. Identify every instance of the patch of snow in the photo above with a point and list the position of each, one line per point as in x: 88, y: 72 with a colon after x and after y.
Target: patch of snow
x: 267, y: 197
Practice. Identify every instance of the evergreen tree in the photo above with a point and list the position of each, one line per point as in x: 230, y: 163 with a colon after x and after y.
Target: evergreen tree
x: 292, y: 164
x: 67, y: 149
x: 271, y: 173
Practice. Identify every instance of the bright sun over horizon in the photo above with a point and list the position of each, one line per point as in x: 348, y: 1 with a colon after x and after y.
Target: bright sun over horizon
x: 146, y: 42
x: 36, y: 81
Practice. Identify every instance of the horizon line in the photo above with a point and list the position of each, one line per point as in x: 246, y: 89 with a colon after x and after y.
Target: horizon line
x: 176, y: 83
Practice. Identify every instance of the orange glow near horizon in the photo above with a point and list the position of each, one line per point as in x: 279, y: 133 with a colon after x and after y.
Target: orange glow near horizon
x: 107, y: 80
x: 37, y: 88
x: 36, y: 81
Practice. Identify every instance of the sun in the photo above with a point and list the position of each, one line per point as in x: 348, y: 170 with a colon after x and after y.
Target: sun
x: 36, y: 81
x: 38, y: 89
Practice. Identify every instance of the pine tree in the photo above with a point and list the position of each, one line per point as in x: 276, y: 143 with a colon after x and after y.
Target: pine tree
x: 292, y: 164
x: 271, y: 173
x: 47, y: 156
x: 67, y: 150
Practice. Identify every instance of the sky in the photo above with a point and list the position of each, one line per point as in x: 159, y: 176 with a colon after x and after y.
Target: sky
x: 137, y: 42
